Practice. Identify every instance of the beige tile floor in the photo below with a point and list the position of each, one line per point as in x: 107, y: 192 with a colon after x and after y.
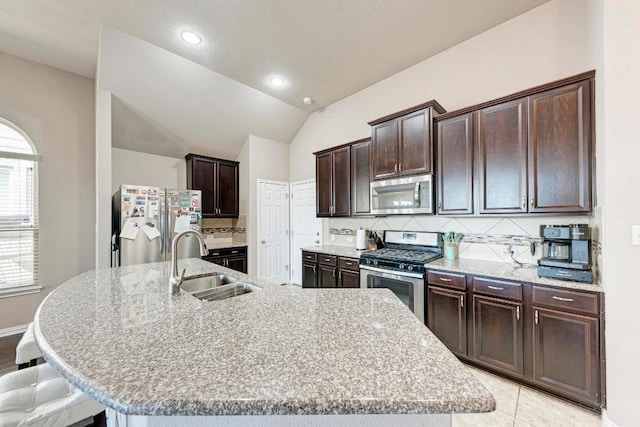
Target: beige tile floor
x: 522, y: 406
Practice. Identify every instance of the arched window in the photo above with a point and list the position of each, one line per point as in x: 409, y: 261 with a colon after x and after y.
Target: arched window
x: 18, y: 212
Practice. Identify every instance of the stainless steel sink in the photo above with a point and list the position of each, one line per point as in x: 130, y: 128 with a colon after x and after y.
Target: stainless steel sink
x: 224, y: 292
x: 206, y: 282
x: 216, y: 287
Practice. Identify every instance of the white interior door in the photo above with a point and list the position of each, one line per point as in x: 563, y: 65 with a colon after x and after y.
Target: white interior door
x: 306, y: 229
x: 273, y: 231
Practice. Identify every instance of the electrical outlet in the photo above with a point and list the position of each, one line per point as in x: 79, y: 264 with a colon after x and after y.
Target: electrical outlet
x: 506, y: 250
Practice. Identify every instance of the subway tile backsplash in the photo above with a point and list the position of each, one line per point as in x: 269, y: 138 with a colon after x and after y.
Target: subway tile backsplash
x: 484, y: 238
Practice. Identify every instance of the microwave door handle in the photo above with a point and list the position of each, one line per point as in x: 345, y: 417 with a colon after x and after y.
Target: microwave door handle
x: 416, y: 194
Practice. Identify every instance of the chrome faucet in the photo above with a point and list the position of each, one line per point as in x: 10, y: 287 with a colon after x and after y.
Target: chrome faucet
x: 175, y: 281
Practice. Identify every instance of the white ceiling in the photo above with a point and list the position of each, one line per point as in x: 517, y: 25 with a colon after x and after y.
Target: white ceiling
x: 325, y: 49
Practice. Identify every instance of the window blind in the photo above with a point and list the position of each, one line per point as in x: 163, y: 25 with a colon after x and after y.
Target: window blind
x: 18, y: 210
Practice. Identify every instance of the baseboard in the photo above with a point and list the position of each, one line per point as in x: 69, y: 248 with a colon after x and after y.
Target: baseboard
x: 14, y: 330
x: 606, y: 422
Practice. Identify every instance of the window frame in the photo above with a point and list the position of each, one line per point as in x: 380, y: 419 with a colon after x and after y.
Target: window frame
x: 18, y: 290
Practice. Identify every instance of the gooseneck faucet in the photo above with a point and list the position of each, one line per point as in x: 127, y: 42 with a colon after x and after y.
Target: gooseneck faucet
x: 176, y: 280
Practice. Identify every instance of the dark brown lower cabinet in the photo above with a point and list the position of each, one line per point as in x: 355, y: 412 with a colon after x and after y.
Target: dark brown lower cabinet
x: 327, y: 276
x: 498, y: 334
x: 233, y: 258
x: 566, y: 353
x: 348, y: 279
x: 447, y: 317
x: 309, y: 275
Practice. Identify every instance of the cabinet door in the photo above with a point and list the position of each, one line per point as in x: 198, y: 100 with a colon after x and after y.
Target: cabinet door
x: 447, y: 317
x: 498, y: 333
x: 414, y: 143
x: 309, y: 275
x: 323, y: 184
x: 560, y: 149
x: 455, y: 165
x: 565, y: 353
x: 327, y: 276
x: 238, y: 263
x: 384, y: 150
x: 348, y: 279
x: 203, y: 179
x: 502, y: 157
x: 227, y: 189
x: 341, y: 182
x: 361, y: 178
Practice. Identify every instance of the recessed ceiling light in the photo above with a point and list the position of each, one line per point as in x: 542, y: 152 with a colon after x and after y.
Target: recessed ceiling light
x: 276, y: 81
x: 191, y: 38
x: 307, y: 100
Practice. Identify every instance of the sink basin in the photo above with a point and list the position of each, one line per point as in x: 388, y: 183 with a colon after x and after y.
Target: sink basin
x: 224, y: 292
x: 206, y: 282
x: 216, y: 287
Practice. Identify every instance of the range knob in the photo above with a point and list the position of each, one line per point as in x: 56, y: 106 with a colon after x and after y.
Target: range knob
x: 401, y: 266
x: 410, y: 267
x: 368, y: 261
x: 375, y: 262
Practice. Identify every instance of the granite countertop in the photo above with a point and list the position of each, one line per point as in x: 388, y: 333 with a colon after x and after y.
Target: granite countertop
x: 122, y: 338
x: 345, y: 251
x: 507, y: 271
x: 228, y: 245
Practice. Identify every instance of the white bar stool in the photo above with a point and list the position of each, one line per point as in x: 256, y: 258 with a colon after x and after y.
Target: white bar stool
x: 27, y: 351
x: 39, y: 397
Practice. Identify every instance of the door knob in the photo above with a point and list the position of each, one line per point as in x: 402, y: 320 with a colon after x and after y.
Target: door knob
x: 264, y: 241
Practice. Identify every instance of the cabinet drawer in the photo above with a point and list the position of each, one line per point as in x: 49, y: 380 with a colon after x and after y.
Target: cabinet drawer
x: 560, y: 298
x: 348, y: 264
x: 309, y: 256
x: 240, y: 251
x: 497, y: 288
x: 447, y: 279
x: 327, y: 259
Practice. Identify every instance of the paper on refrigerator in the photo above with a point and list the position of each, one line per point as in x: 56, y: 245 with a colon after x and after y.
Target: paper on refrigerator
x: 129, y: 231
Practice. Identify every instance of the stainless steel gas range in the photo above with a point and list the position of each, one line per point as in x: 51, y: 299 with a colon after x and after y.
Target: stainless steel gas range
x: 399, y: 266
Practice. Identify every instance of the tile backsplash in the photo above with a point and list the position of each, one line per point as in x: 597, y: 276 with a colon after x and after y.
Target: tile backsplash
x: 484, y: 237
x: 226, y: 230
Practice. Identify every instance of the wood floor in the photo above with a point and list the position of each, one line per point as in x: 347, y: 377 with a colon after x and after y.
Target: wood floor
x: 8, y: 353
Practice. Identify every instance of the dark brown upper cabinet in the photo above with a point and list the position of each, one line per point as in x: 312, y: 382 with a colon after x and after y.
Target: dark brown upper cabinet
x: 333, y: 182
x: 455, y: 165
x: 401, y: 142
x: 532, y: 152
x: 560, y: 149
x: 218, y: 180
x: 361, y: 177
x: 502, y: 157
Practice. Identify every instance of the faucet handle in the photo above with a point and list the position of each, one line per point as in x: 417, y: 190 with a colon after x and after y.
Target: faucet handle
x: 184, y: 270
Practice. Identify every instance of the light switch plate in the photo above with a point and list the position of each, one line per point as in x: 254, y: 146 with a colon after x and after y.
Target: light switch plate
x: 635, y: 235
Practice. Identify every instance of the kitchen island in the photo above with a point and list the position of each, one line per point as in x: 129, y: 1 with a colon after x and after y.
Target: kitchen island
x: 281, y: 355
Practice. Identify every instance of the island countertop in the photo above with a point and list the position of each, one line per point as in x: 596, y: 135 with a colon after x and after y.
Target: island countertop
x: 119, y: 336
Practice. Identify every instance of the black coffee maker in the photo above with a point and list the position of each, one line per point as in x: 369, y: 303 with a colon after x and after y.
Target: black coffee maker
x: 566, y: 252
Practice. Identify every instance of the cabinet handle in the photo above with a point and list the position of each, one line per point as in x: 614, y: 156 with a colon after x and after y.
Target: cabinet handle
x: 395, y: 167
x: 215, y: 254
x: 334, y: 273
x: 349, y: 263
x: 439, y: 205
x: 518, y: 313
x: 535, y: 316
x: 340, y: 275
x: 562, y: 299
x: 399, y: 167
x: 462, y: 301
x: 314, y: 269
x: 327, y: 259
x: 524, y: 202
x: 445, y: 279
x: 234, y: 252
x: 531, y: 201
x: 495, y: 288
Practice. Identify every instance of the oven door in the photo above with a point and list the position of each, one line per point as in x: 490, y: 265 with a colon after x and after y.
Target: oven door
x: 409, y: 287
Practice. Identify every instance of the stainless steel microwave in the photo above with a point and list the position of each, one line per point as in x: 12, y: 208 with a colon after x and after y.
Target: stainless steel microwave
x: 412, y: 195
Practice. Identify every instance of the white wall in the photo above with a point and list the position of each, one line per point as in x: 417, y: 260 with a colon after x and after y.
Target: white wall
x: 260, y: 158
x: 619, y: 112
x: 545, y: 44
x: 56, y: 109
x: 132, y: 167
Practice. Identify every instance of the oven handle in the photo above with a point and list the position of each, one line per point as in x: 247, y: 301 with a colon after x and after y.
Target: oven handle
x: 396, y: 273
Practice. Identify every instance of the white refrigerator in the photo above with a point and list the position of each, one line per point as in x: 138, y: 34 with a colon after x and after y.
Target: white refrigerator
x: 145, y: 219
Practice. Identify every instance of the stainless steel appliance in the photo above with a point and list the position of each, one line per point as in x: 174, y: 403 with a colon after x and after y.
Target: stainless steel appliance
x: 145, y: 219
x: 399, y: 266
x: 412, y: 195
x: 566, y: 252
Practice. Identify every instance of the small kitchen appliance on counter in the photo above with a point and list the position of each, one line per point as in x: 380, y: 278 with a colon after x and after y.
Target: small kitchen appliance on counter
x: 399, y: 266
x: 566, y: 252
